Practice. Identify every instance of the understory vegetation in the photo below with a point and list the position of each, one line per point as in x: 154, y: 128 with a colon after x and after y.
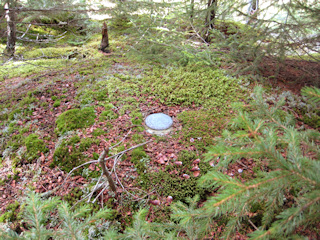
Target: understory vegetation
x: 241, y: 160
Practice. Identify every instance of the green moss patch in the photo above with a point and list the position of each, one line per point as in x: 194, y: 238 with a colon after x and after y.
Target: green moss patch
x: 192, y: 85
x: 199, y: 127
x: 57, y: 103
x: 136, y: 117
x: 75, y: 119
x: 108, y: 115
x: 87, y: 96
x: 140, y: 160
x: 176, y: 186
x: 311, y: 117
x: 170, y: 182
x: 70, y: 154
x: 49, y: 52
x: 23, y: 69
x: 13, y: 213
x: 34, y: 147
x: 98, y: 132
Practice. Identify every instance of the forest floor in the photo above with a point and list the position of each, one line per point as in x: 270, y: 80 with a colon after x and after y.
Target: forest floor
x: 34, y: 103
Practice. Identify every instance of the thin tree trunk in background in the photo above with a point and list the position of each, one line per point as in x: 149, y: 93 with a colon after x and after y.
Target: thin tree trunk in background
x: 105, y: 39
x: 210, y: 17
x: 192, y: 10
x: 253, y: 10
x: 11, y: 27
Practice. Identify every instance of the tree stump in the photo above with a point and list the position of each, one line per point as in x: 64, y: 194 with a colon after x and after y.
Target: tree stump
x: 104, y: 46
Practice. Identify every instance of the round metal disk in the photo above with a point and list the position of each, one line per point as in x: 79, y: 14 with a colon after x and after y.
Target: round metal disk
x: 158, y: 121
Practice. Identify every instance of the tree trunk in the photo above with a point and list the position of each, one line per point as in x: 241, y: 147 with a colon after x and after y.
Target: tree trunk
x: 192, y: 10
x: 210, y: 17
x: 253, y: 10
x: 105, y: 39
x: 11, y: 27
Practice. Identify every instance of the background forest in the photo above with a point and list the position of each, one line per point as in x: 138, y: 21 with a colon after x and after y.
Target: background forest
x: 240, y: 80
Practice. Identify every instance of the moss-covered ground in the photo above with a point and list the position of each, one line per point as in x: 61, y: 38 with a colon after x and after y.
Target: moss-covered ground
x: 64, y: 104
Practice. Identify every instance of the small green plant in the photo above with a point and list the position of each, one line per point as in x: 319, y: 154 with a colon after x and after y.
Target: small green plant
x: 193, y: 227
x: 75, y: 119
x: 57, y: 103
x: 312, y: 93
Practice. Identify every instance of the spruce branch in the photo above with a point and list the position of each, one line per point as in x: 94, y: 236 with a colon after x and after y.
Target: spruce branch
x: 312, y: 93
x: 276, y: 141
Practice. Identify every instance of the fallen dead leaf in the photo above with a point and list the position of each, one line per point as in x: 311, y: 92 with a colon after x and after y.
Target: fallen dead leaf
x: 186, y: 176
x: 155, y: 202
x: 196, y: 168
x: 196, y: 173
x: 197, y: 161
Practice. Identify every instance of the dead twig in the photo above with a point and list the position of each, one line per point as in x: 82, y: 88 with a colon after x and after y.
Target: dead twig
x: 95, y: 188
x: 103, y: 159
x: 105, y: 171
x: 100, y: 194
x: 252, y: 224
x: 199, y: 35
x: 26, y: 31
x: 121, y: 140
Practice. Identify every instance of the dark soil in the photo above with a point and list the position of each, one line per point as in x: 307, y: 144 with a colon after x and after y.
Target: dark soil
x: 291, y: 74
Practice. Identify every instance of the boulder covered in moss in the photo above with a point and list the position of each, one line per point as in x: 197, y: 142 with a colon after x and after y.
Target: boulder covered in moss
x: 75, y: 119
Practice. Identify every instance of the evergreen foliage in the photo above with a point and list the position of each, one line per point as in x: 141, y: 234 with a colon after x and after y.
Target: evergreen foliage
x: 279, y: 200
x: 70, y: 224
x: 288, y: 191
x: 188, y: 216
x: 180, y: 33
x: 312, y: 93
